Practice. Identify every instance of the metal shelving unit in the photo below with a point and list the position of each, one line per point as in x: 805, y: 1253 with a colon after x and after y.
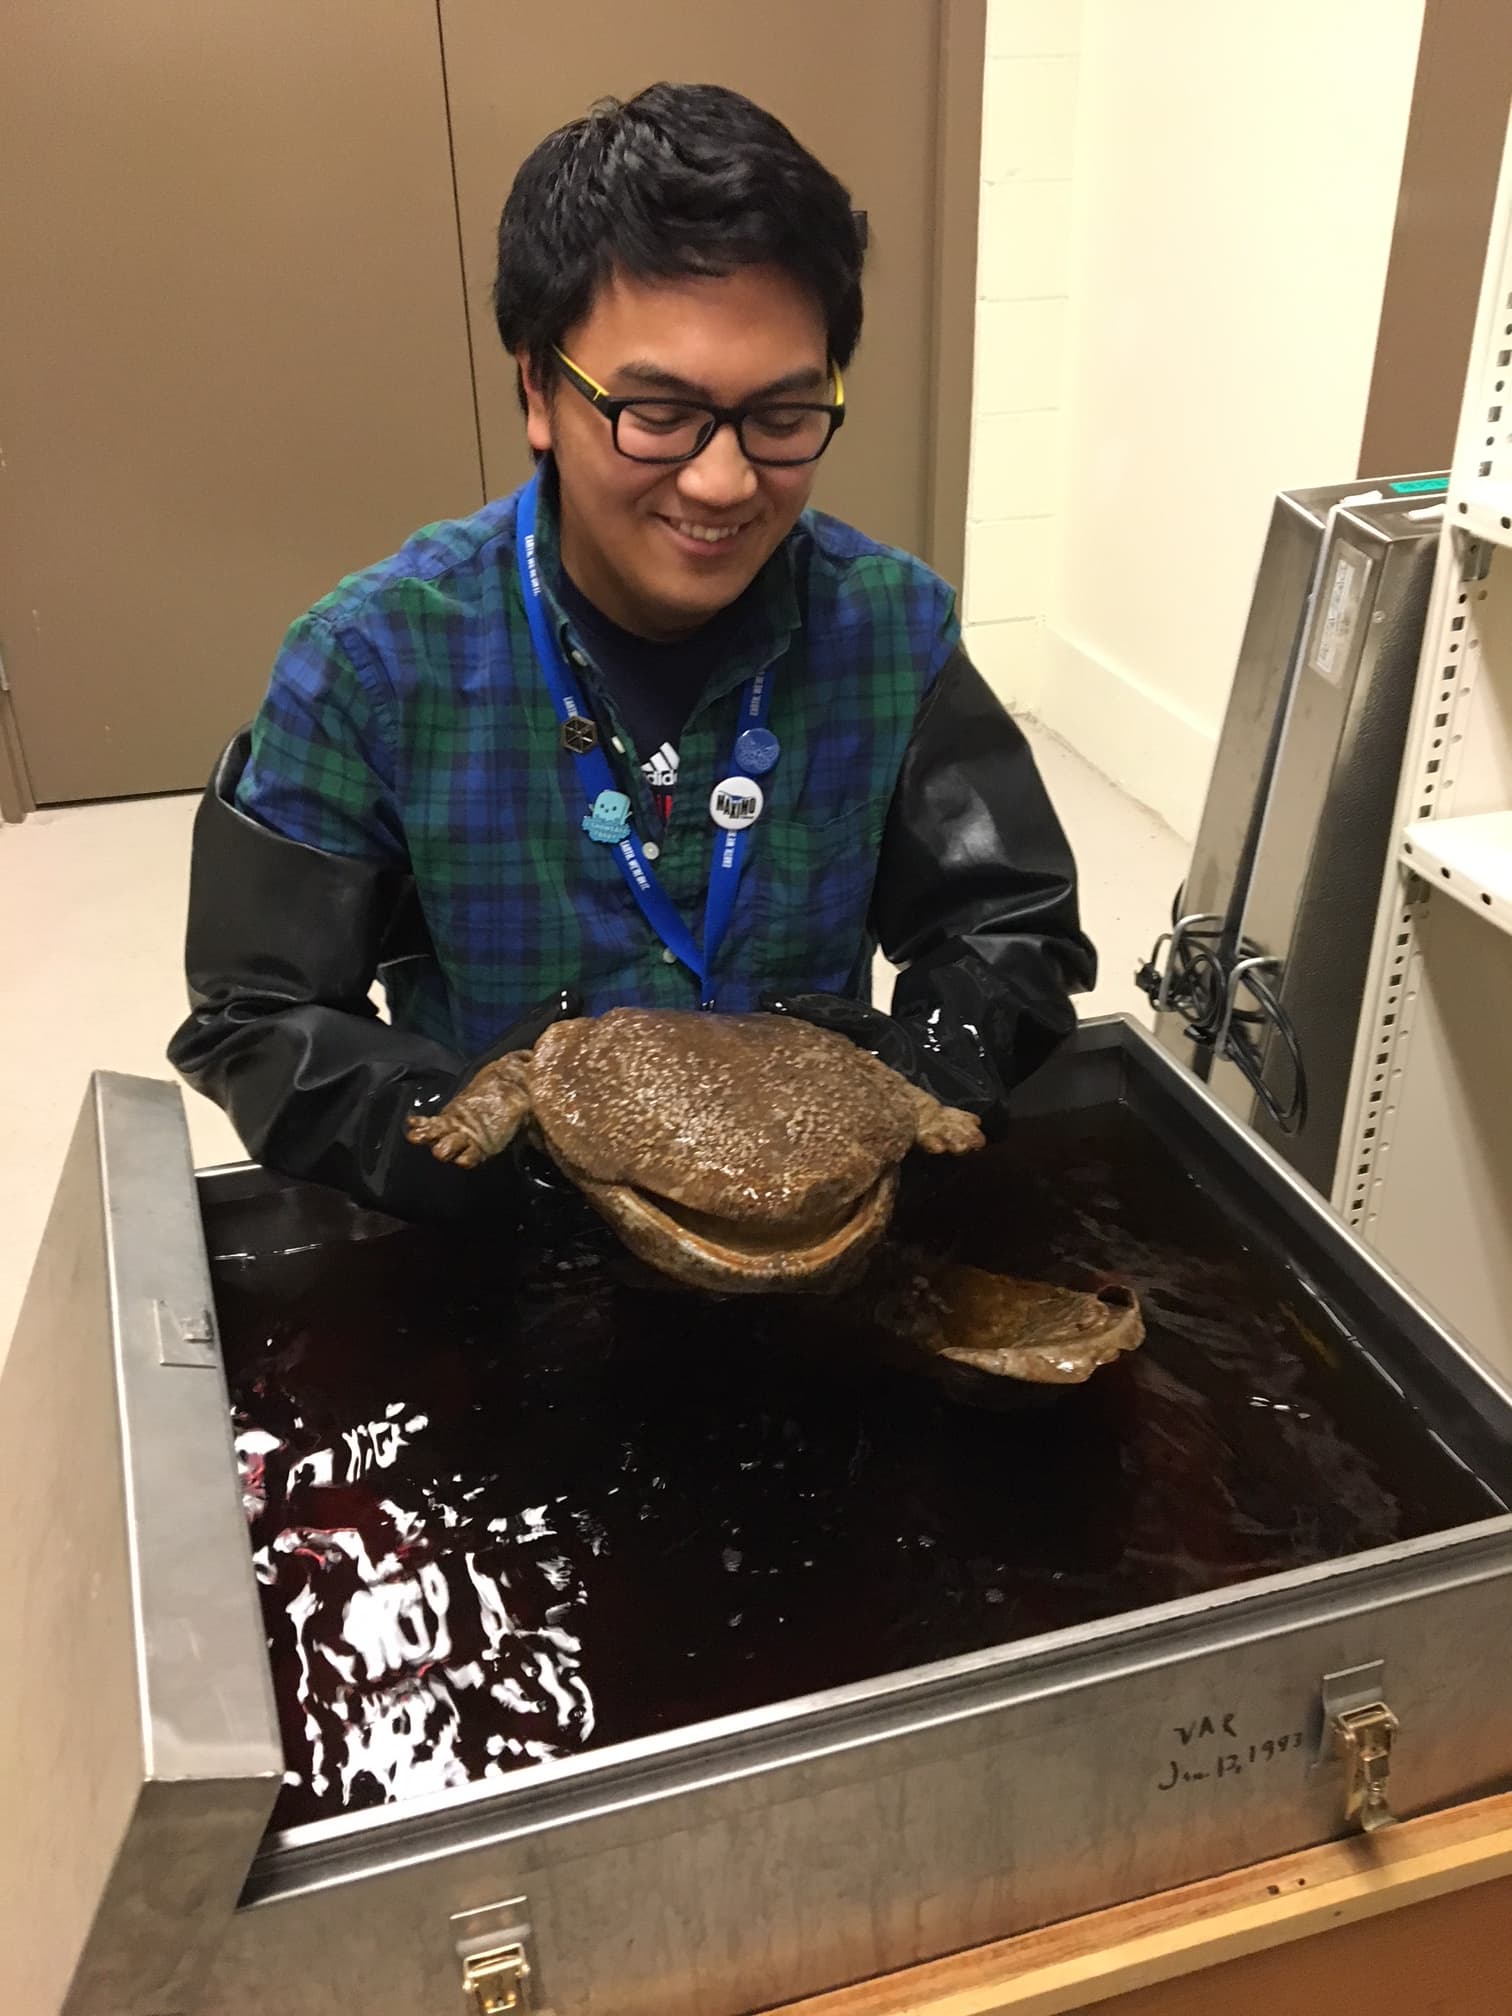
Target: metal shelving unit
x: 1483, y: 508
x: 1472, y: 857
x: 1425, y: 1175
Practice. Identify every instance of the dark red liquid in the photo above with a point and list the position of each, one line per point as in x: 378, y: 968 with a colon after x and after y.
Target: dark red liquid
x: 506, y: 1506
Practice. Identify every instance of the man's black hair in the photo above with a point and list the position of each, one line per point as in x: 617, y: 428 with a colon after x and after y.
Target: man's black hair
x: 683, y: 179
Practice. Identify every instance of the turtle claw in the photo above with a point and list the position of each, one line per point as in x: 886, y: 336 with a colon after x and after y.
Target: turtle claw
x: 457, y: 1147
x: 944, y: 1130
x: 447, y: 1141
x: 481, y: 1120
x: 950, y: 1131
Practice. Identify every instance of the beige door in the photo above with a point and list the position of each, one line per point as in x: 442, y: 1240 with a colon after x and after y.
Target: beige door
x: 233, y: 355
x: 886, y: 92
x: 235, y: 342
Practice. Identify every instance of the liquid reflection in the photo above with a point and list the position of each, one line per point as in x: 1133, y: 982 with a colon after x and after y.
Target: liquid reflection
x: 386, y: 1634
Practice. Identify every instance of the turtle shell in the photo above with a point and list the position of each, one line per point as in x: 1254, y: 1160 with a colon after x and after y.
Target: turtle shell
x: 738, y: 1118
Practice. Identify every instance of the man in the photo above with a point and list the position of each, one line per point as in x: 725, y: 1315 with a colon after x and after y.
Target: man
x: 437, y: 784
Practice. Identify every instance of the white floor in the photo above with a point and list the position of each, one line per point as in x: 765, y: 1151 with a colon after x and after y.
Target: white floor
x: 92, y: 906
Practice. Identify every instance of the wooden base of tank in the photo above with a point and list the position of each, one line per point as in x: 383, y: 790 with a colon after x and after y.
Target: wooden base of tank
x: 1417, y: 1918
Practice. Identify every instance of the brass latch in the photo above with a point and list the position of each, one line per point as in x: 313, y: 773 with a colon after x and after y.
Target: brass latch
x: 1362, y: 1737
x: 497, y: 1982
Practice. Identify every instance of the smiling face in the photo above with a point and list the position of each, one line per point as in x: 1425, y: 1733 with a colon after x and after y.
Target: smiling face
x: 661, y: 549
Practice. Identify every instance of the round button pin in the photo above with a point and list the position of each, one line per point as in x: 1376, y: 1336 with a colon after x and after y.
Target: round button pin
x: 756, y: 750
x: 736, y: 803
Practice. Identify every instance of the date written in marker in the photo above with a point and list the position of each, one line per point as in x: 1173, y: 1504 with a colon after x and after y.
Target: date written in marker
x: 1198, y: 1764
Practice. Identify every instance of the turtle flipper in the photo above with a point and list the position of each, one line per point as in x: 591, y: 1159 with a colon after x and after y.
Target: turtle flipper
x: 483, y: 1118
x: 1010, y: 1328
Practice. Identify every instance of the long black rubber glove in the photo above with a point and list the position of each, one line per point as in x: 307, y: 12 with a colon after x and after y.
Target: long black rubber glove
x: 975, y: 899
x: 282, y: 944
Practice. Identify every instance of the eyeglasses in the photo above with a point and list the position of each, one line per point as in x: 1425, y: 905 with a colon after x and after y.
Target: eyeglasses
x: 778, y: 434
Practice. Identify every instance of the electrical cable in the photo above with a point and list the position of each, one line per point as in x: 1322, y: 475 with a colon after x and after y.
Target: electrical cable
x: 1289, y: 1117
x: 1195, y: 985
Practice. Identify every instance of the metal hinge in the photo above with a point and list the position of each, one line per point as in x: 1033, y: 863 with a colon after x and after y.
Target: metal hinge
x: 185, y: 1336
x: 497, y: 1983
x: 1363, y: 1738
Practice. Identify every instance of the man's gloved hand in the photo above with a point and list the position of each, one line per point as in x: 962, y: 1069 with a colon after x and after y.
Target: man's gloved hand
x: 565, y: 1006
x: 948, y: 1052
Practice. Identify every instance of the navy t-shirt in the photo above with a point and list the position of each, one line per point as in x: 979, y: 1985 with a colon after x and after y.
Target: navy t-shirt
x: 655, y: 687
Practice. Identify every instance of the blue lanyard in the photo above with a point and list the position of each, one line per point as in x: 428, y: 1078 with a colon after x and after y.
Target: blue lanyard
x: 597, y: 777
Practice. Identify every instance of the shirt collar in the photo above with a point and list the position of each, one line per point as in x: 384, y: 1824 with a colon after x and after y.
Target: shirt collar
x: 768, y: 618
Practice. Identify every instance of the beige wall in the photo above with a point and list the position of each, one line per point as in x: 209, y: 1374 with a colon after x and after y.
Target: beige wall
x: 1219, y: 256
x: 1023, y: 278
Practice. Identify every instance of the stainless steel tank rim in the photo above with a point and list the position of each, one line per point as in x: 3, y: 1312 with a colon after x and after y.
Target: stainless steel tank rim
x: 325, y: 1854
x: 120, y: 1331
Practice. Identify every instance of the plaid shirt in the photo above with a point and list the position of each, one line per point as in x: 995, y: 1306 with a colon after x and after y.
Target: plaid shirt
x: 407, y: 722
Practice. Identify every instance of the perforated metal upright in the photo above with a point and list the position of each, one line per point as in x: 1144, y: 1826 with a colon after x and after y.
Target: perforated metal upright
x: 1425, y: 1175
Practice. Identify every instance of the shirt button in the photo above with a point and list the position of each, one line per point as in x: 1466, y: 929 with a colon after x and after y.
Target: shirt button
x: 669, y: 957
x: 578, y: 659
x: 651, y: 851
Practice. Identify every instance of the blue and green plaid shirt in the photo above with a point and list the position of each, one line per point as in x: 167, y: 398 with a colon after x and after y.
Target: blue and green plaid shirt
x: 407, y: 723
